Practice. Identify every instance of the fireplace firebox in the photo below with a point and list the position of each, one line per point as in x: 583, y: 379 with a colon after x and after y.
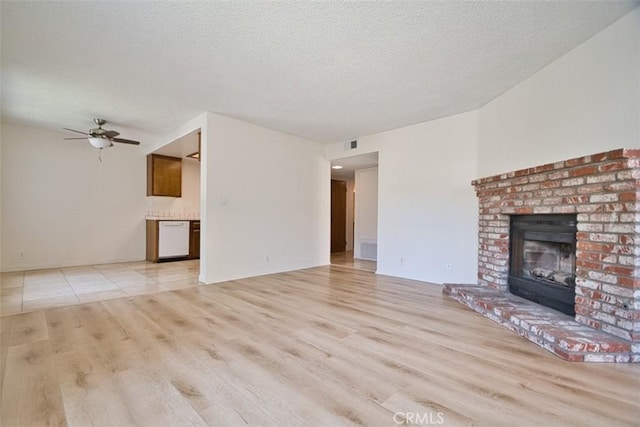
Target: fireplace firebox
x: 543, y: 260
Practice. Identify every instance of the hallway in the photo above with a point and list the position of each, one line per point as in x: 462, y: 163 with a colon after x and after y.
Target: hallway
x: 345, y: 259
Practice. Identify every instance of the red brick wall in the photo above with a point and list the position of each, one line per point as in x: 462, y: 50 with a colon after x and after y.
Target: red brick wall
x: 604, y: 191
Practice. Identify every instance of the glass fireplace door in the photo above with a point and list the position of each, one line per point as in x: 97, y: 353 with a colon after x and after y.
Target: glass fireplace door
x: 542, y: 260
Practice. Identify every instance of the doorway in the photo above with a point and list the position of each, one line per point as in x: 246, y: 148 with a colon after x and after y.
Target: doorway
x: 354, y: 227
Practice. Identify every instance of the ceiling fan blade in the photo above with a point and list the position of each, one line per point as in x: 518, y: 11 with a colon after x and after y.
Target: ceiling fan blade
x: 125, y: 141
x: 111, y: 134
x: 76, y: 131
x: 85, y: 138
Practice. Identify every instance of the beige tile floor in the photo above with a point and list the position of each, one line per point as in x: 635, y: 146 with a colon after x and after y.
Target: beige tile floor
x: 26, y: 291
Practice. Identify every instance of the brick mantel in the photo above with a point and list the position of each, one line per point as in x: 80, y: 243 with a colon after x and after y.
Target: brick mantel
x: 603, y: 190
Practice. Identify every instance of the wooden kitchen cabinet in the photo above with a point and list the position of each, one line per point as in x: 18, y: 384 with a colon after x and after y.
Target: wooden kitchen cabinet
x: 194, y: 240
x: 152, y: 240
x: 153, y: 253
x: 164, y: 176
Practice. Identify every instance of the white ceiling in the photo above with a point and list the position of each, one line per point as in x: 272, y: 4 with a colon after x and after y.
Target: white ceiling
x: 327, y: 71
x: 181, y: 147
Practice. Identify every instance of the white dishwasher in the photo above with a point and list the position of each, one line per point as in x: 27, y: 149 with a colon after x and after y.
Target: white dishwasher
x: 173, y: 239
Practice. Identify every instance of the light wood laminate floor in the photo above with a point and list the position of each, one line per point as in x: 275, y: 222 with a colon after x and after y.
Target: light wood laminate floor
x: 326, y: 346
x: 346, y: 259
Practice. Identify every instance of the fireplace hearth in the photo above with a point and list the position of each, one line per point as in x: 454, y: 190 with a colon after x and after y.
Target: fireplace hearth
x: 542, y: 255
x: 587, y: 263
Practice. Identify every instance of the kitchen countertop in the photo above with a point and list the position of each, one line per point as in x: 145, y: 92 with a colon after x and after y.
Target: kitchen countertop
x: 167, y: 218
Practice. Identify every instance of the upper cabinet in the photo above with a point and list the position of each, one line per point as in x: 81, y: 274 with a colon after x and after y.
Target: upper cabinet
x: 164, y: 176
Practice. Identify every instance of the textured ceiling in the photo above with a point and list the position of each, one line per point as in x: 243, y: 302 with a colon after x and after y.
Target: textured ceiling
x: 327, y: 71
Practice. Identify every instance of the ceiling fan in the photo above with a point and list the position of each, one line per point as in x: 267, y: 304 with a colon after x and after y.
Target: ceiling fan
x: 102, y: 138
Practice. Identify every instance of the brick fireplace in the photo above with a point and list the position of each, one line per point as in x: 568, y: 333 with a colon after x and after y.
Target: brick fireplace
x: 603, y: 191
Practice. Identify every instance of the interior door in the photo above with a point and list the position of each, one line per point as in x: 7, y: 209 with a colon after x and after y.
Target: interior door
x: 338, y: 216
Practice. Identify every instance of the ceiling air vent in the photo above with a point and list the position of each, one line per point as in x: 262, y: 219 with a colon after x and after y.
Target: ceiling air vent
x: 351, y: 145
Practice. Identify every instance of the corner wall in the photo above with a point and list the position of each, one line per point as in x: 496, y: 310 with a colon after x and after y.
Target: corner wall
x: 274, y: 214
x: 426, y: 205
x: 585, y: 102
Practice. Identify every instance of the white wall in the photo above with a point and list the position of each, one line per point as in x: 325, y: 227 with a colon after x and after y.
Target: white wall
x: 427, y: 209
x: 1, y: 198
x: 586, y: 102
x: 57, y: 198
x: 62, y: 207
x: 267, y: 195
x: 350, y: 213
x: 366, y: 209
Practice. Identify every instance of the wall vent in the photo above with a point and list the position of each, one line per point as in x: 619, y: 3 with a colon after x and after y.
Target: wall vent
x: 350, y: 145
x: 369, y: 250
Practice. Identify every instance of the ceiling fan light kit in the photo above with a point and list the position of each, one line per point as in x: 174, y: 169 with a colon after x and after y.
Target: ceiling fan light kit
x: 102, y: 138
x: 99, y: 142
